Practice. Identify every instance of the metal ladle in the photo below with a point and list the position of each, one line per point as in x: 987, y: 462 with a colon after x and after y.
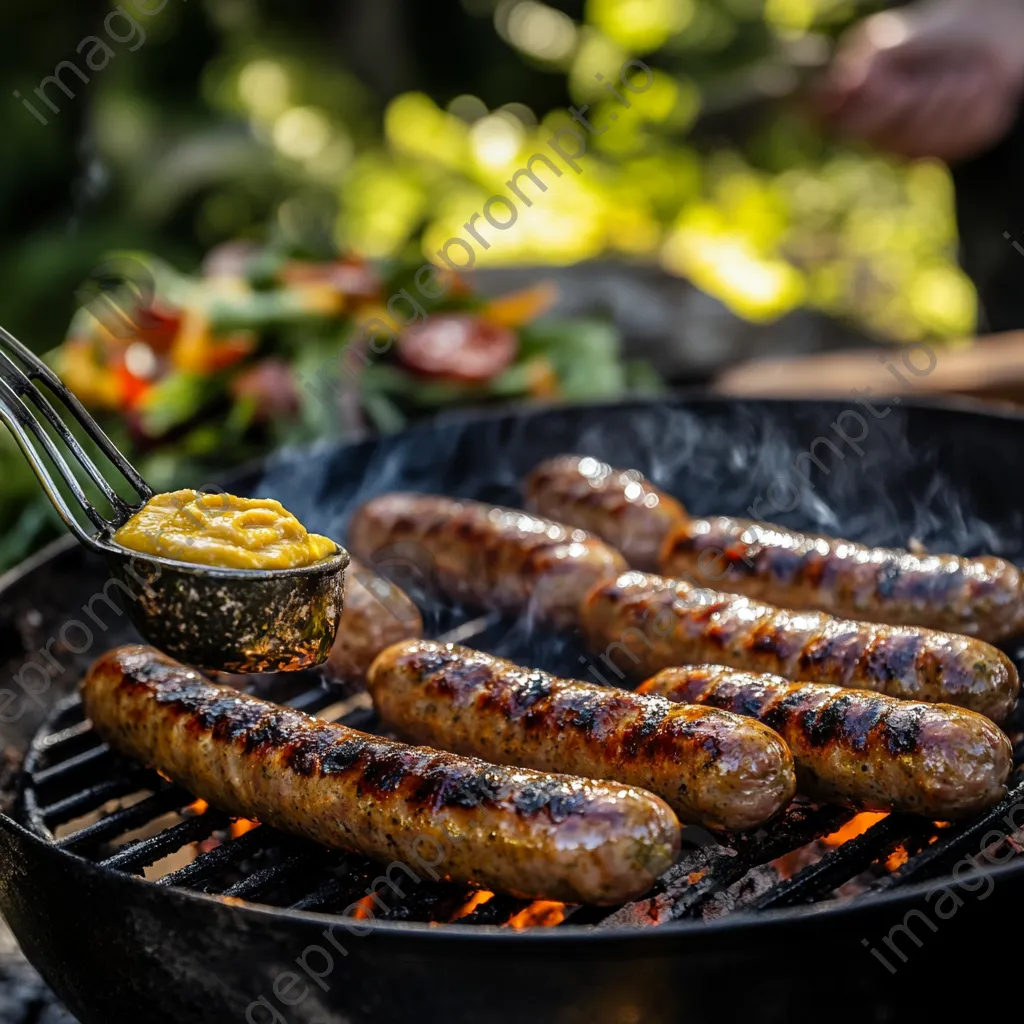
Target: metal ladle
x: 234, y: 620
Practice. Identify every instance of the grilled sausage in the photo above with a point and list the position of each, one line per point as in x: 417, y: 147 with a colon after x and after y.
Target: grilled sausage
x: 616, y: 505
x: 982, y: 597
x: 713, y: 768
x: 377, y: 614
x: 642, y: 624
x: 528, y: 833
x: 859, y: 748
x: 486, y: 555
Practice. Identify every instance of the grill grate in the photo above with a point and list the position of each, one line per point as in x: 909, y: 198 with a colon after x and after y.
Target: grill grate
x: 85, y: 799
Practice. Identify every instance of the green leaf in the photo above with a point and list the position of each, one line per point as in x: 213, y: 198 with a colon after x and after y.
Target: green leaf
x: 514, y: 381
x: 565, y: 339
x: 392, y: 380
x: 204, y: 440
x: 319, y: 383
x: 389, y: 379
x: 241, y: 417
x: 384, y: 414
x: 261, y: 310
x: 176, y: 399
x: 643, y: 379
x: 584, y: 353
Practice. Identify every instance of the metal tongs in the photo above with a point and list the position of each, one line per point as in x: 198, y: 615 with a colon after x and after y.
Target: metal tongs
x: 234, y: 620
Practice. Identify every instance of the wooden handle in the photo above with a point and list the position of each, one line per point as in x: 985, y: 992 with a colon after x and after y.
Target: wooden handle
x: 990, y: 368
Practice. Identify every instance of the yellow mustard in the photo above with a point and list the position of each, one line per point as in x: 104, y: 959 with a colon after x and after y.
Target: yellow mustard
x: 222, y: 530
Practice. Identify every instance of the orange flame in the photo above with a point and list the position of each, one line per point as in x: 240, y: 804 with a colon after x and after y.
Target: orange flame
x: 856, y: 826
x: 542, y: 913
x: 476, y: 900
x: 897, y: 858
x: 790, y: 863
x: 197, y: 808
x: 363, y: 909
x: 796, y: 860
x: 242, y: 825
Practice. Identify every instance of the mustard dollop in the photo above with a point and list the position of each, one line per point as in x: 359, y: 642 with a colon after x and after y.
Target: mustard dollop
x: 222, y: 530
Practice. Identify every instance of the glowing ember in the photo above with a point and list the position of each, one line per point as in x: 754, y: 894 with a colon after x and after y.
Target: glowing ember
x: 856, y: 826
x: 474, y: 901
x: 897, y: 858
x: 363, y: 909
x: 542, y: 914
x: 792, y: 863
x: 242, y: 825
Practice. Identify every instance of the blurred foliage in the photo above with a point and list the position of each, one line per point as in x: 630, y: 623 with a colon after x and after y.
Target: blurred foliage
x: 380, y: 128
x: 263, y: 349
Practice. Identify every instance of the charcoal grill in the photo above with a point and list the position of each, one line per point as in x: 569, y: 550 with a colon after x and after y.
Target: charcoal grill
x: 138, y: 903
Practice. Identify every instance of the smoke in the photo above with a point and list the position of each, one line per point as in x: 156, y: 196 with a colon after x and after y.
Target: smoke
x: 943, y: 478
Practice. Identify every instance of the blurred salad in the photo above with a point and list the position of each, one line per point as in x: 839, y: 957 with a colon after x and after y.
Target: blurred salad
x: 261, y: 348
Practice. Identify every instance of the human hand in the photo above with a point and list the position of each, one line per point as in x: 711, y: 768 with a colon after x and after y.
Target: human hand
x: 942, y: 78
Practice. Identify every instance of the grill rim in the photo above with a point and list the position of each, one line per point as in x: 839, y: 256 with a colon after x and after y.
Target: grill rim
x: 743, y: 921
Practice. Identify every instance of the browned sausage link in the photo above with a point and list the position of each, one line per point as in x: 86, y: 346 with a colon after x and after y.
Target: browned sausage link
x: 712, y: 768
x: 376, y: 615
x: 982, y: 597
x: 486, y: 555
x: 641, y: 624
x: 859, y: 748
x: 527, y: 833
x: 617, y: 505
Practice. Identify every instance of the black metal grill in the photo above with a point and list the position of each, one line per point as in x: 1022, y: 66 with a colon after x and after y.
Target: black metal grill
x: 777, y: 926
x: 85, y: 799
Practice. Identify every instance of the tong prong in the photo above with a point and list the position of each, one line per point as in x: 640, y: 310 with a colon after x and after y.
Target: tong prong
x: 35, y: 369
x: 19, y: 384
x: 24, y: 426
x: 17, y: 387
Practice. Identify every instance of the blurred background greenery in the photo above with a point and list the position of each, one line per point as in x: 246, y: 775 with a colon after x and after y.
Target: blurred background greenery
x: 378, y: 128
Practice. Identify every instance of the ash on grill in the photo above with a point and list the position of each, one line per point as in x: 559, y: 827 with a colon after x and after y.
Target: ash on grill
x: 83, y: 798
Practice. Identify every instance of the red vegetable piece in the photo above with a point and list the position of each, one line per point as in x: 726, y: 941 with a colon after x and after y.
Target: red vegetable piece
x: 459, y: 346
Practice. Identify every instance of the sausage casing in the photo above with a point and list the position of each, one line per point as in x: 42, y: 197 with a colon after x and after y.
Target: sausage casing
x: 618, y: 505
x: 485, y: 555
x: 981, y: 597
x: 713, y: 768
x: 641, y: 624
x: 528, y: 833
x: 377, y: 614
x: 858, y: 748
